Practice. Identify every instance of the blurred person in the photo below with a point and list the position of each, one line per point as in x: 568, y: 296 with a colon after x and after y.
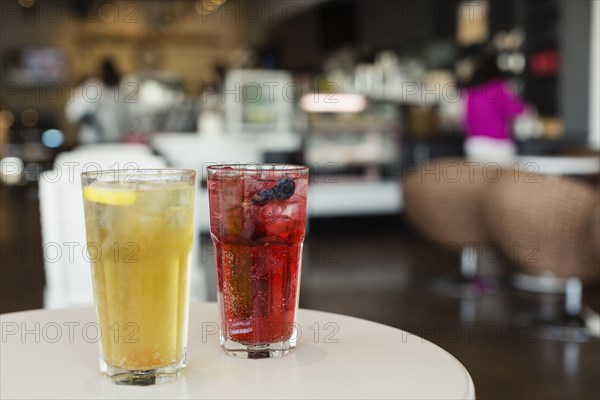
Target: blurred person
x: 97, y: 107
x: 490, y: 108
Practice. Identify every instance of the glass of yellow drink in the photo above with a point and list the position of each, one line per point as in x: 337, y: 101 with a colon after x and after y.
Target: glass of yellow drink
x: 140, y: 229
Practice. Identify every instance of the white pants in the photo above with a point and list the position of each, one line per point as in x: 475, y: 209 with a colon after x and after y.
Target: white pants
x: 485, y: 149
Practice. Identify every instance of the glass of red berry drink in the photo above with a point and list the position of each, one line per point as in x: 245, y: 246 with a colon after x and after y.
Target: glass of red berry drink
x: 257, y: 224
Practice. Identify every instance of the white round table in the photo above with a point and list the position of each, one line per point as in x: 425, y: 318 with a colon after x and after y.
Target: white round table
x: 54, y: 354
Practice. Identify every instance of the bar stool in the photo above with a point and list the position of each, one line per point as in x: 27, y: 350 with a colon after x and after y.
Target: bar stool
x: 442, y: 201
x: 545, y: 227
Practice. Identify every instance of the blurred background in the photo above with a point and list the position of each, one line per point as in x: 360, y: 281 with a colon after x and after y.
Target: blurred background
x: 453, y: 146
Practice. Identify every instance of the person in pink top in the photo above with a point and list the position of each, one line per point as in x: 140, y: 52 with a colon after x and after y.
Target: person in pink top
x: 490, y: 108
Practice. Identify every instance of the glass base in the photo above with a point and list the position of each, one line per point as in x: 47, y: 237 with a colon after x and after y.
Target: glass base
x: 256, y: 351
x: 169, y: 373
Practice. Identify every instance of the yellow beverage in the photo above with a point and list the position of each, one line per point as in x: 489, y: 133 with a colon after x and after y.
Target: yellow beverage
x: 139, y: 241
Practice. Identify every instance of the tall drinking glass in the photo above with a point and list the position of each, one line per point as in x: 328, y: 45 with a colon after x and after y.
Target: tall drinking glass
x: 140, y: 230
x: 258, y: 223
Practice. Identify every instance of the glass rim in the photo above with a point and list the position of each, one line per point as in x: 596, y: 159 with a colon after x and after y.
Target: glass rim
x: 260, y: 167
x: 115, y: 174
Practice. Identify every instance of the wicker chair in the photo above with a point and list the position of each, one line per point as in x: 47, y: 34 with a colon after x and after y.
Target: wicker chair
x: 545, y: 227
x: 442, y: 201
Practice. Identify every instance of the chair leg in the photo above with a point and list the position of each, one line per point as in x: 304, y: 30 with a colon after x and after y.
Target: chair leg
x: 468, y: 262
x: 466, y: 284
x: 573, y: 289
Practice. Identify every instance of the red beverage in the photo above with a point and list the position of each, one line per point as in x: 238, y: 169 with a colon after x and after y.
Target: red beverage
x: 258, y: 223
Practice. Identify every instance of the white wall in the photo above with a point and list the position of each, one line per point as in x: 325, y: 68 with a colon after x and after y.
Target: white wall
x: 574, y: 82
x: 594, y: 114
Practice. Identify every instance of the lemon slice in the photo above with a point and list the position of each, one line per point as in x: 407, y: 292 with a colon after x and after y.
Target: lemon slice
x: 109, y: 196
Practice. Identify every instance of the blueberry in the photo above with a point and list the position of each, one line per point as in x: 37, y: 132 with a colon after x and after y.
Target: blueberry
x: 282, y: 191
x: 264, y: 196
x: 285, y: 188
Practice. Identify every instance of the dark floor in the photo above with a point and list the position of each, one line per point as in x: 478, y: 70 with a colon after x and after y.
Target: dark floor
x: 377, y: 269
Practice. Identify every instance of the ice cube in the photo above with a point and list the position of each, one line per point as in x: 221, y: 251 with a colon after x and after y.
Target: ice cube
x: 231, y: 222
x: 231, y: 194
x: 301, y: 187
x: 252, y: 186
x: 277, y: 219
